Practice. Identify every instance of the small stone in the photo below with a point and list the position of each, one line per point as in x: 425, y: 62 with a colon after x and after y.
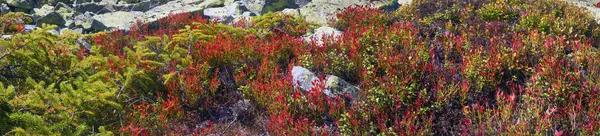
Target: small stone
x: 7, y: 37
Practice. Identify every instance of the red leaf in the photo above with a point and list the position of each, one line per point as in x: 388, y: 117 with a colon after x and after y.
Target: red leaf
x: 558, y: 133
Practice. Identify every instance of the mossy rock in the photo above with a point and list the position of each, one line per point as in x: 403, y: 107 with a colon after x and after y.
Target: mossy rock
x: 52, y: 18
x: 278, y: 5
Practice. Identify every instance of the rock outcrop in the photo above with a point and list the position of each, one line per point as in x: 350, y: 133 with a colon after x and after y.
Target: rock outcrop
x: 88, y: 16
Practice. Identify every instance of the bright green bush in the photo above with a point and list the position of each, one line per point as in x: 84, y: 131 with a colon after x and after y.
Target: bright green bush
x: 13, y: 22
x: 281, y: 23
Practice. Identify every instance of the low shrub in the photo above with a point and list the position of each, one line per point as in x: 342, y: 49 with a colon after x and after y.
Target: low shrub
x: 474, y: 67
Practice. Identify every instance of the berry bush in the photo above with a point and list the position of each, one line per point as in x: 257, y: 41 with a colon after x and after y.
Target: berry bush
x: 472, y: 67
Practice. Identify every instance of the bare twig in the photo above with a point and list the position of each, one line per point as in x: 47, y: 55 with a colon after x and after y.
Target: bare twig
x: 119, y: 93
x: 228, y: 125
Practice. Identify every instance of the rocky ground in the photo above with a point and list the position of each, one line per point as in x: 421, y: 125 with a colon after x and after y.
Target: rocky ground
x: 88, y: 16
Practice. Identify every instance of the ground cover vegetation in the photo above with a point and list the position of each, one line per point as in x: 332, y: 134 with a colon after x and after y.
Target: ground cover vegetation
x: 472, y: 67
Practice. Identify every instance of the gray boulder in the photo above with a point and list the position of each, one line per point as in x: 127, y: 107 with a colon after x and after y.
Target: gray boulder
x: 94, y: 8
x: 4, y: 8
x: 320, y: 11
x: 335, y: 86
x: 303, y: 78
x: 87, y: 23
x: 216, y: 13
x: 247, y: 16
x: 321, y: 32
x: 143, y: 6
x: 56, y: 2
x: 42, y: 11
x: 61, y: 5
x: 278, y: 5
x: 179, y: 6
x: 255, y: 6
x: 21, y: 4
x: 124, y: 20
x: 53, y: 18
x: 301, y: 3
x: 119, y: 19
x: 223, y: 13
x: 264, y: 6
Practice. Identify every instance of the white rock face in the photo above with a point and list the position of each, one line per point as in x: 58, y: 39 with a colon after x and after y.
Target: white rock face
x: 123, y: 20
x: 120, y: 19
x: 320, y: 33
x: 222, y: 13
x: 320, y: 11
x: 179, y: 6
